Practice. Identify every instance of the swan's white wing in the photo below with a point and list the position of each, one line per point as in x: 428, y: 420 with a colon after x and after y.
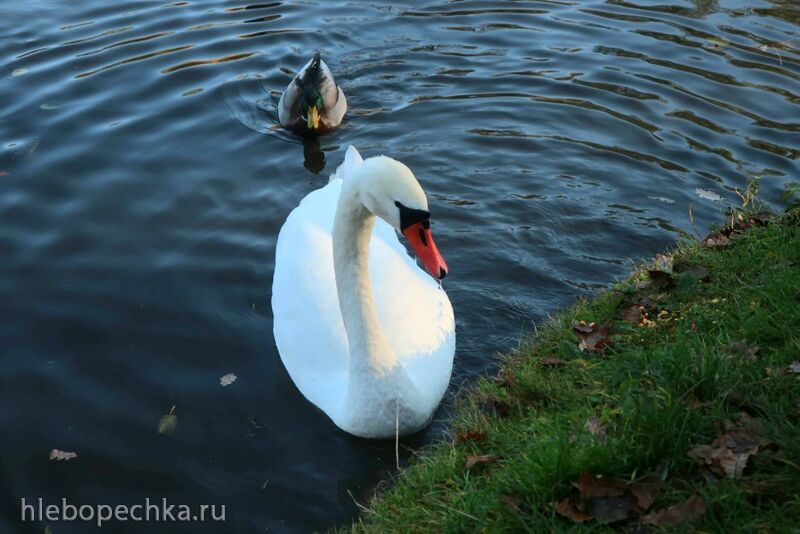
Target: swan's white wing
x: 308, y: 326
x: 414, y: 311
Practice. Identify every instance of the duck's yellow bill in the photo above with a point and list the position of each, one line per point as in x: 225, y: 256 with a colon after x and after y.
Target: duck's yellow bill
x: 313, y: 118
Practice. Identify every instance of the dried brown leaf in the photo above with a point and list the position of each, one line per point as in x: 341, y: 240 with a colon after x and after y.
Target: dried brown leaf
x: 593, y: 336
x: 689, y: 510
x: 596, y: 427
x: 552, y: 362
x: 715, y: 240
x: 479, y: 459
x: 728, y: 454
x: 591, y: 487
x: 634, y: 314
x: 646, y: 492
x: 612, y: 509
x: 568, y: 509
x: 497, y: 408
x: 474, y: 435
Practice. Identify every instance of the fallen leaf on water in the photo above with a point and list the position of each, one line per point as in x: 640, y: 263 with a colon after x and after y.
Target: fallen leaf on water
x: 479, y: 459
x: 717, y: 43
x: 474, y: 435
x: 552, y: 361
x: 568, y: 509
x: 56, y: 454
x: 596, y: 427
x: 227, y: 380
x: 689, y: 510
x: 708, y: 195
x: 167, y: 423
x: 5, y: 173
x: 593, y: 336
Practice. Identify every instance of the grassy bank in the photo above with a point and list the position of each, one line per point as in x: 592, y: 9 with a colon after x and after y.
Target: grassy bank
x: 680, y: 409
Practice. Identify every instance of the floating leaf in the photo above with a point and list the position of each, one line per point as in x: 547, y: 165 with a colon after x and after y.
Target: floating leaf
x: 4, y: 173
x: 663, y: 199
x: 227, y: 380
x: 708, y: 195
x: 167, y: 423
x: 717, y: 44
x: 56, y: 454
x: 691, y: 509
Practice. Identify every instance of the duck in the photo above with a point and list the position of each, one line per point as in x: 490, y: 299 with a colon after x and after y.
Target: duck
x: 365, y: 334
x: 312, y: 104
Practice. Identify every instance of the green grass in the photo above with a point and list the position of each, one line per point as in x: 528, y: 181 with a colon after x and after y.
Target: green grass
x: 660, y: 390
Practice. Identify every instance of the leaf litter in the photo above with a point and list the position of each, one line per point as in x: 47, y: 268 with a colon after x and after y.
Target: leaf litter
x: 594, y: 337
x: 728, y: 454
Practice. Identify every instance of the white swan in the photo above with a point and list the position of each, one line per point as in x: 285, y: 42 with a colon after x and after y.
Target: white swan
x: 364, y: 333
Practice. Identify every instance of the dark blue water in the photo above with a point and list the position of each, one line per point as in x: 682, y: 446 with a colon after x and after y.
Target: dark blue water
x: 143, y: 182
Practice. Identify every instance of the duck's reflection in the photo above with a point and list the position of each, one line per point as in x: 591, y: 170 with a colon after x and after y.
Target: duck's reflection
x: 314, y: 156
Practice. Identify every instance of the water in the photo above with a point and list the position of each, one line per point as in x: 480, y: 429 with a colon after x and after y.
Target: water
x: 143, y: 182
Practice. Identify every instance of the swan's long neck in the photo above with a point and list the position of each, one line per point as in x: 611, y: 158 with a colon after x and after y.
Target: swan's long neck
x: 370, y: 351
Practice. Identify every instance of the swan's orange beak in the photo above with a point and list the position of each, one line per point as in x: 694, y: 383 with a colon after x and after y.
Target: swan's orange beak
x: 419, y: 235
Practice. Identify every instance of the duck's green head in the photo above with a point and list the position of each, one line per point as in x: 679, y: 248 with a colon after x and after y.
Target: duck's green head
x: 312, y: 106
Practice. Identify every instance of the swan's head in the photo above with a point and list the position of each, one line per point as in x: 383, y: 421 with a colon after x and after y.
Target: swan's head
x: 391, y: 191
